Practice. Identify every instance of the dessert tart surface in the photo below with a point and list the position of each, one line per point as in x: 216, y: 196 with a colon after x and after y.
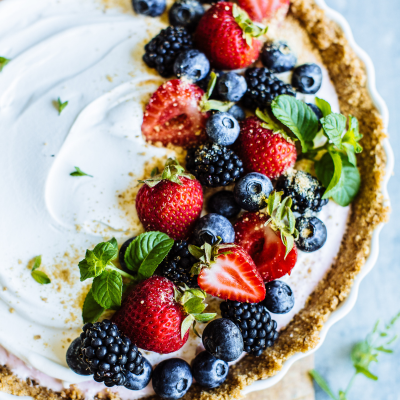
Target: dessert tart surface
x: 306, y: 25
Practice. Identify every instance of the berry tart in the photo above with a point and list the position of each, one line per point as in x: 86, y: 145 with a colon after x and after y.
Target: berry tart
x: 192, y: 188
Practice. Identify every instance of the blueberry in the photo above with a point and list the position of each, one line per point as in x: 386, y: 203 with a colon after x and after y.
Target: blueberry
x: 186, y: 13
x: 138, y: 382
x: 307, y: 78
x: 237, y: 112
x: 74, y: 361
x: 312, y: 234
x: 208, y: 371
x: 231, y: 87
x: 172, y: 378
x: 279, y: 298
x: 151, y: 8
x: 222, y: 128
x: 222, y: 339
x: 210, y: 226
x: 317, y: 111
x: 252, y: 190
x: 277, y: 57
x: 122, y: 251
x: 192, y: 65
x: 223, y: 203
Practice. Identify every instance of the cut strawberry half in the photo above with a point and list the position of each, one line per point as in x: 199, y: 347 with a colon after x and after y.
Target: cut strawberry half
x: 231, y: 274
x: 173, y: 115
x: 264, y: 245
x: 259, y: 10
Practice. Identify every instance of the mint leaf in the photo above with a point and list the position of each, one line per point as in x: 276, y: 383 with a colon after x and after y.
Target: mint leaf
x: 334, y: 126
x: 79, y: 172
x: 269, y: 123
x: 61, y: 105
x: 324, y: 106
x: 322, y: 383
x: 40, y: 277
x: 91, y: 310
x: 298, y: 117
x: 107, y: 289
x: 37, y: 263
x: 3, y: 62
x: 96, y: 260
x: 146, y: 252
x: 114, y: 243
x: 350, y: 140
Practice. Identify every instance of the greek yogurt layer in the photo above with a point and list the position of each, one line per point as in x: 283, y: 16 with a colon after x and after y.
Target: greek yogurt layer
x: 89, y: 55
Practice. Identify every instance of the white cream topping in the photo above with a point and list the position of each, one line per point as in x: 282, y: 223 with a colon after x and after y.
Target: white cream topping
x: 90, y: 57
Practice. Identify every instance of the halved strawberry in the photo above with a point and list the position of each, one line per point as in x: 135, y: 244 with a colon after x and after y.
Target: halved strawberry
x: 173, y: 115
x: 259, y: 10
x: 264, y: 245
x: 228, y: 272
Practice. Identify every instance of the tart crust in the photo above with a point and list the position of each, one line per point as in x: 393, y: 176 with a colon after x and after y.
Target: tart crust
x: 349, y: 77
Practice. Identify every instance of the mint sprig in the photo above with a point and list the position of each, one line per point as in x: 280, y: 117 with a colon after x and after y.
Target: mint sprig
x: 39, y: 276
x: 79, y: 172
x: 363, y: 354
x: 3, y: 62
x: 91, y: 310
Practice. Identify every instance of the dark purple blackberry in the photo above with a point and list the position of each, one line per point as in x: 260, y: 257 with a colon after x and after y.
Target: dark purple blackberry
x: 162, y: 51
x: 255, y: 324
x: 109, y: 354
x: 305, y: 190
x: 178, y: 263
x: 214, y: 165
x: 263, y: 87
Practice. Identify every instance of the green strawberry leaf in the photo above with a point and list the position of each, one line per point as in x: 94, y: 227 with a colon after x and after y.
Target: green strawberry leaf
x: 298, y: 117
x: 194, y: 305
x: 205, y: 317
x: 269, y: 123
x: 187, y: 322
x: 334, y: 126
x: 107, y: 289
x: 146, y: 252
x: 91, y: 310
x: 324, y: 106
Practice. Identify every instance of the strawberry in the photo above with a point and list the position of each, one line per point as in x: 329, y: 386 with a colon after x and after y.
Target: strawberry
x: 262, y: 150
x: 259, y: 10
x: 170, y: 202
x: 228, y: 272
x: 269, y: 240
x: 228, y: 37
x: 173, y: 115
x: 156, y: 316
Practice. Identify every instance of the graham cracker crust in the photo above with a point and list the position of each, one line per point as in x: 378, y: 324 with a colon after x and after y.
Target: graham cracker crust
x: 348, y: 74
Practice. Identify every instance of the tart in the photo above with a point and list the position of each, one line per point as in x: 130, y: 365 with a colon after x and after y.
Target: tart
x: 87, y: 193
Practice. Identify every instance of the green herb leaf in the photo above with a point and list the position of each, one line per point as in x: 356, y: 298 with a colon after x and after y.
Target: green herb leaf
x: 334, y: 126
x: 37, y: 263
x: 146, y: 252
x: 269, y: 123
x: 61, y: 105
x: 107, y: 289
x: 79, y: 172
x: 3, y: 62
x: 350, y: 140
x: 384, y: 350
x: 91, y: 310
x: 211, y: 84
x: 298, y: 117
x: 187, y: 322
x: 194, y: 305
x: 40, y: 277
x: 96, y: 260
x: 366, y: 372
x: 205, y: 317
x: 322, y: 383
x: 324, y: 106
x: 206, y: 104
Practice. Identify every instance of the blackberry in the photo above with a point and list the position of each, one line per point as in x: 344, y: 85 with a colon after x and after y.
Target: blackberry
x: 263, y: 87
x: 305, y: 190
x: 178, y: 263
x: 109, y: 354
x: 254, y: 322
x: 162, y: 51
x: 214, y: 165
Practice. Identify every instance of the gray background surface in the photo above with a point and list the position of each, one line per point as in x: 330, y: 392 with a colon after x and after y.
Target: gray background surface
x: 376, y: 28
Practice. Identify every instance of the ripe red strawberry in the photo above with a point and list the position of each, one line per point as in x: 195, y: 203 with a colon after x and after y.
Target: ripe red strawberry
x: 259, y: 10
x: 262, y: 150
x: 264, y: 246
x: 173, y: 115
x: 170, y: 202
x: 152, y: 316
x: 220, y: 35
x: 229, y: 273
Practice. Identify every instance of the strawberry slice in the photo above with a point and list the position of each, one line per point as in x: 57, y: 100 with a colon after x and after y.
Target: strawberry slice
x: 173, y: 115
x: 264, y: 246
x: 230, y: 275
x: 259, y: 10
